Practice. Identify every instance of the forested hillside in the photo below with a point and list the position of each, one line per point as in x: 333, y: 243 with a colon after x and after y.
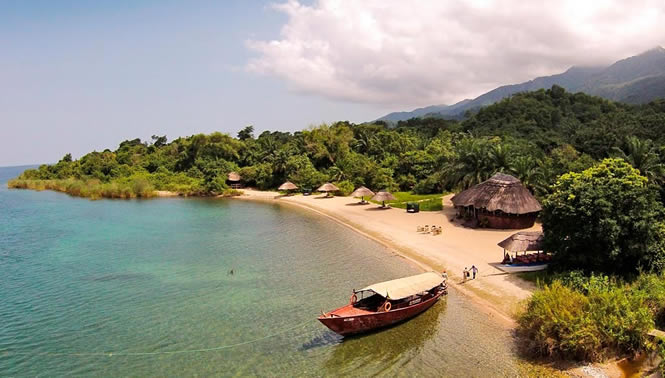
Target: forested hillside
x: 536, y: 136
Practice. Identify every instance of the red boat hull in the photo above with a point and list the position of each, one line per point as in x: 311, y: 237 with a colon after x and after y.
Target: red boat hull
x: 354, y: 321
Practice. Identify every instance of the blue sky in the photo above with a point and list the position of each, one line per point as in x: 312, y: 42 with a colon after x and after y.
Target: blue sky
x: 77, y: 76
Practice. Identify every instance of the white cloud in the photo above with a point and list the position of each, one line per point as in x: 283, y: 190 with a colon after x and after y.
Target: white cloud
x: 436, y: 51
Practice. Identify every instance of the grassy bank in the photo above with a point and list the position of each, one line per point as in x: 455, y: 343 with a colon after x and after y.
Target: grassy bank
x: 91, y: 188
x: 427, y: 202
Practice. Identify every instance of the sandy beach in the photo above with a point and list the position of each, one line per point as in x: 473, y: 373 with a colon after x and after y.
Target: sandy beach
x: 454, y: 249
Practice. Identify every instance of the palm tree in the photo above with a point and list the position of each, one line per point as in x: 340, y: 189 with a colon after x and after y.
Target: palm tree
x: 472, y: 165
x: 642, y: 155
x: 501, y: 158
x: 530, y: 173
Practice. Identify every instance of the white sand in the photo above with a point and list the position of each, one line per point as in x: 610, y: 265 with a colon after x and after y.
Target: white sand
x: 453, y: 250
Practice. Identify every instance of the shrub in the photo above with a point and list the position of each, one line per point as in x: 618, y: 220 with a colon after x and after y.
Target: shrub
x: 345, y: 187
x: 597, y: 318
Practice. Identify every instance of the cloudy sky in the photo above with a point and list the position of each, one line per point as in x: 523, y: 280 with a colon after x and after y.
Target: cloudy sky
x: 78, y: 75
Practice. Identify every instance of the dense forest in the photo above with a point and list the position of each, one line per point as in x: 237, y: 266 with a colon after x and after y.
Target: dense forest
x: 536, y: 136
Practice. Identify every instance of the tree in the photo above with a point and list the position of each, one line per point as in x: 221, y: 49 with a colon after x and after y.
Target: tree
x: 67, y: 158
x: 246, y: 133
x: 605, y: 219
x: 642, y: 155
x: 159, y: 141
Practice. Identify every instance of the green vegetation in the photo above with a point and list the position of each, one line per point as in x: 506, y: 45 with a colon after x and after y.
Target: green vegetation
x: 535, y: 136
x: 592, y: 317
x: 605, y: 219
x: 427, y: 202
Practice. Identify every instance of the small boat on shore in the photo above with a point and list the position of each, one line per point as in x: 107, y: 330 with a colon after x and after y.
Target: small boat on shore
x: 386, y: 303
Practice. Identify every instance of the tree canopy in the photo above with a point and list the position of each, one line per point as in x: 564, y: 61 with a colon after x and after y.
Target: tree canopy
x: 605, y: 219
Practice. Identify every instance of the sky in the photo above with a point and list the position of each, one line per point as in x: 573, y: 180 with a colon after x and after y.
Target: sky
x: 77, y: 76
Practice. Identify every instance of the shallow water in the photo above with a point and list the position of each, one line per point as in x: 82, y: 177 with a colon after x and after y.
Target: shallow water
x: 90, y: 287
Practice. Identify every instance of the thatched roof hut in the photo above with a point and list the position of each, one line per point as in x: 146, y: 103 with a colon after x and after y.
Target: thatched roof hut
x: 383, y: 196
x: 233, y: 179
x: 287, y: 186
x: 496, y: 200
x: 362, y: 192
x: 523, y: 241
x: 233, y: 176
x: 327, y: 187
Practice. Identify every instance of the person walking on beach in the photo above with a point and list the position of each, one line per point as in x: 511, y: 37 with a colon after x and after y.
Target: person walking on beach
x: 465, y: 274
x: 474, y: 270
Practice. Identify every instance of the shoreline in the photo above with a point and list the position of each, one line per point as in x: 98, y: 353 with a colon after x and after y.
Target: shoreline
x: 483, y: 296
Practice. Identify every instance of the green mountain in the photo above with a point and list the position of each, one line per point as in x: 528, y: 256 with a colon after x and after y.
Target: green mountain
x: 636, y: 80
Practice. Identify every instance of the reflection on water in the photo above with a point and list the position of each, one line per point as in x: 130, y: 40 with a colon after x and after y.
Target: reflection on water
x: 392, y: 347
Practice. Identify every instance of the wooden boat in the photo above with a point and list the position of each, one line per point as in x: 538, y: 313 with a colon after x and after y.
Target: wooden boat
x: 519, y: 268
x: 386, y: 303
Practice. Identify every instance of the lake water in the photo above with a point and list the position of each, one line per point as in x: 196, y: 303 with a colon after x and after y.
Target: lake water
x: 144, y: 288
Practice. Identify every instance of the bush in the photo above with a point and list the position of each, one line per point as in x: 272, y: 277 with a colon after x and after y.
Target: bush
x: 345, y: 188
x: 596, y: 318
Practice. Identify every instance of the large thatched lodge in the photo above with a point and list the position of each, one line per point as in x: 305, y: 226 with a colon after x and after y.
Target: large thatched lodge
x: 500, y: 202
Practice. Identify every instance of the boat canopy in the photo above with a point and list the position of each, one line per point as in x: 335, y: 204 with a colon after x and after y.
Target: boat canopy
x: 407, y: 286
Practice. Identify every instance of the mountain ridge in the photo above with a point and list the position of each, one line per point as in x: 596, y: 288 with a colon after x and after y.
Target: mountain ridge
x: 636, y: 79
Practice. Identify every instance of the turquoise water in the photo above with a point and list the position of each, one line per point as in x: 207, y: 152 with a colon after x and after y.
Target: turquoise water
x: 144, y: 288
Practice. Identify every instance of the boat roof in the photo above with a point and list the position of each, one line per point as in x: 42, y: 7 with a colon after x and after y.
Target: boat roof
x: 407, y: 286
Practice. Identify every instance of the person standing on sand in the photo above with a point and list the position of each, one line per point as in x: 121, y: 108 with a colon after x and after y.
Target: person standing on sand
x: 474, y: 270
x: 465, y: 274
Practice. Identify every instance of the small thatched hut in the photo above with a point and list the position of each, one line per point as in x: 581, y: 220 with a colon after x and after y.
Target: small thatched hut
x: 362, y: 192
x: 288, y: 187
x: 500, y: 202
x: 327, y: 188
x: 523, y: 241
x: 234, y: 180
x: 383, y: 196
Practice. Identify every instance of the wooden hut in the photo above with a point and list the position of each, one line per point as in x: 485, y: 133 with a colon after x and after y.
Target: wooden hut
x: 500, y: 202
x: 234, y: 180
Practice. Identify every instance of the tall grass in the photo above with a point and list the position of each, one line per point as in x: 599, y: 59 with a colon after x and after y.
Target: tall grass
x: 427, y: 202
x: 591, y: 318
x: 91, y: 188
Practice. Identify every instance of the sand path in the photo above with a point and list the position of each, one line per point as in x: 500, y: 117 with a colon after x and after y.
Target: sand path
x: 453, y: 250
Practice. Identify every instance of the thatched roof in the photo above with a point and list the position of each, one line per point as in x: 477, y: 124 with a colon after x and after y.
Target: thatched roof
x: 383, y: 195
x: 327, y: 187
x: 523, y: 241
x: 233, y: 176
x: 362, y: 192
x: 501, y: 192
x: 287, y: 186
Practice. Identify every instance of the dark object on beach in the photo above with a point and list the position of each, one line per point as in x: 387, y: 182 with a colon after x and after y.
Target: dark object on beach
x: 306, y: 191
x: 386, y: 303
x: 500, y: 202
x: 412, y: 207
